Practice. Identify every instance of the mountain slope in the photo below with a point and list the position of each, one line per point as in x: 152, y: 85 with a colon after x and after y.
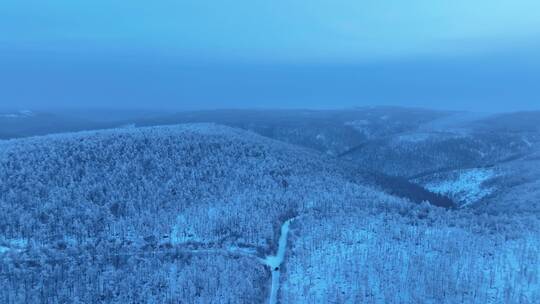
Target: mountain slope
x: 203, y: 213
x: 180, y: 193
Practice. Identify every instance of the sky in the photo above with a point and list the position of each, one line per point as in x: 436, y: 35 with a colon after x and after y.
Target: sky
x: 481, y: 55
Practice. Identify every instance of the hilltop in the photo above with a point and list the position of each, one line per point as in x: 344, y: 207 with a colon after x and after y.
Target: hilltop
x: 162, y: 190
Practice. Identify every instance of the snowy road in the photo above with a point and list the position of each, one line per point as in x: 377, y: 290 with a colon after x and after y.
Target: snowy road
x: 274, y: 261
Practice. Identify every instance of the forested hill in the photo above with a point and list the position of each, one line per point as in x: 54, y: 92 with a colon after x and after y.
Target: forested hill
x: 125, y: 175
x: 138, y: 190
x: 201, y: 213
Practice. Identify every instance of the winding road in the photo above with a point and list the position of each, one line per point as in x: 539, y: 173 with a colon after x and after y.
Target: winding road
x: 274, y: 261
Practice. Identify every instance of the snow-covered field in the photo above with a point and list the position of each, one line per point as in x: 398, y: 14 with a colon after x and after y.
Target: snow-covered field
x: 464, y: 186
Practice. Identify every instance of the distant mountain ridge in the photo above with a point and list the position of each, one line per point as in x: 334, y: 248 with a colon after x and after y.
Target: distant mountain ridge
x: 403, y: 143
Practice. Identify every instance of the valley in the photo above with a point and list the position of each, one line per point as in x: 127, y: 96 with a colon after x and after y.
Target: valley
x: 253, y: 208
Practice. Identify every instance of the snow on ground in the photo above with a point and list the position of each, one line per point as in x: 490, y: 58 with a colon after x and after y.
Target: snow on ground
x: 182, y: 232
x: 526, y: 141
x: 7, y: 245
x: 362, y: 126
x: 465, y: 186
x: 371, y: 260
x: 320, y: 262
x: 357, y: 123
x: 513, y: 265
x: 414, y: 137
x: 274, y: 261
x: 419, y: 137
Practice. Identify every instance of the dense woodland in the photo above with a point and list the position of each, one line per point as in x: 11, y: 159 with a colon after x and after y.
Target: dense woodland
x: 188, y: 213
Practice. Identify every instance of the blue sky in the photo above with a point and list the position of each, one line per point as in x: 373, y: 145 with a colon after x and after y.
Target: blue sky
x: 297, y: 53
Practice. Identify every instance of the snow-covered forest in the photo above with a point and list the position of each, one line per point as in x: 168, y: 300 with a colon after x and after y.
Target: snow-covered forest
x: 269, y: 152
x: 257, y: 213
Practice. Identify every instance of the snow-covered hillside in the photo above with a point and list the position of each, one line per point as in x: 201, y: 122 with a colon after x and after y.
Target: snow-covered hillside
x: 204, y: 213
x: 425, y: 257
x: 466, y: 186
x: 178, y: 191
